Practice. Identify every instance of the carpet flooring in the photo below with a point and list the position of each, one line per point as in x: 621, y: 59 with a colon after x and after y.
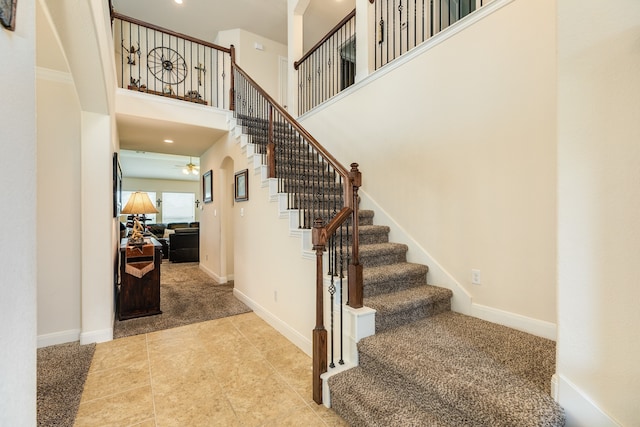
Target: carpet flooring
x: 428, y: 366
x: 187, y: 295
x: 62, y: 371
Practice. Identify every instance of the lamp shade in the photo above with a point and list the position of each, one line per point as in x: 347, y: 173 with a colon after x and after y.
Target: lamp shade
x: 139, y: 203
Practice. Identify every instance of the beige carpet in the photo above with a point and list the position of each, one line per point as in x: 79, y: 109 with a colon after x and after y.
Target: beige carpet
x: 187, y: 295
x: 62, y: 370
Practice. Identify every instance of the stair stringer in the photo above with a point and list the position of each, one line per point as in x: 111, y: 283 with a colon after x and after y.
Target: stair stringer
x: 358, y: 323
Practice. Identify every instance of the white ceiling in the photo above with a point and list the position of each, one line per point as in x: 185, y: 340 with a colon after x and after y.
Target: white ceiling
x: 140, y: 164
x: 203, y: 19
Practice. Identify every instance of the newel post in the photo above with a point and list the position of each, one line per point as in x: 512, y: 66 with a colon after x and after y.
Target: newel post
x: 319, y: 332
x: 232, y: 89
x: 355, y: 268
x: 271, y: 147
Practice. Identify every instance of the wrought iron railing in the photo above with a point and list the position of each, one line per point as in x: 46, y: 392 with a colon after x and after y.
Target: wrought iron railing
x: 402, y: 25
x: 162, y: 62
x: 329, y: 66
x: 325, y: 195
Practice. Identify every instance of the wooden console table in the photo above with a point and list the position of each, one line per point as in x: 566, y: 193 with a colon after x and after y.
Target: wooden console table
x: 139, y: 296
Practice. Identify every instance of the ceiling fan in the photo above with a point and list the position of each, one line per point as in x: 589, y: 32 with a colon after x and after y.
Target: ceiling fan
x: 190, y: 168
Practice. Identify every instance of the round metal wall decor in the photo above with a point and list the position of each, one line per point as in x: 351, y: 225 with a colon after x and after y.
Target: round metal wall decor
x: 167, y: 65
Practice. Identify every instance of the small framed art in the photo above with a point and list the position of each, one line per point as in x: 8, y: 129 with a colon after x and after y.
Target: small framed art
x: 242, y: 186
x: 207, y: 187
x: 8, y: 14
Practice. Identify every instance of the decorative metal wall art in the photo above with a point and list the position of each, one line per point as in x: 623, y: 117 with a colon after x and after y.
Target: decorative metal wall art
x: 167, y: 65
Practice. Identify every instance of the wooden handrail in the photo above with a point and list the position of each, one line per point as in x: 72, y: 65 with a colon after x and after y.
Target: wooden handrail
x: 303, y: 132
x: 321, y: 233
x: 325, y: 38
x: 117, y: 15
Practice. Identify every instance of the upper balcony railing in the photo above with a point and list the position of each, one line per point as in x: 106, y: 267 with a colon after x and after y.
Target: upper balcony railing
x: 329, y: 66
x: 395, y: 27
x: 155, y: 60
x: 402, y: 25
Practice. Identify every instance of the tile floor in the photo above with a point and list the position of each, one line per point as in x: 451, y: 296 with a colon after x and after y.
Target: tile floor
x: 236, y: 371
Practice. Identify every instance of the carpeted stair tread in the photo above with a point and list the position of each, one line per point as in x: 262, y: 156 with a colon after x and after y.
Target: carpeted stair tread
x: 363, y: 400
x: 393, y: 277
x: 397, y: 308
x: 372, y: 234
x: 382, y: 253
x: 497, y: 375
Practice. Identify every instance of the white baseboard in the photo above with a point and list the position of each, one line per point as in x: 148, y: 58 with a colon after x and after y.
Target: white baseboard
x: 302, y: 342
x: 61, y: 337
x: 214, y: 276
x: 516, y: 321
x: 462, y: 301
x: 581, y: 411
x: 102, y: 335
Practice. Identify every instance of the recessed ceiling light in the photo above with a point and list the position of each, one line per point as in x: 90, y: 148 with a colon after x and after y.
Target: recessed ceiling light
x: 169, y: 141
x: 178, y: 1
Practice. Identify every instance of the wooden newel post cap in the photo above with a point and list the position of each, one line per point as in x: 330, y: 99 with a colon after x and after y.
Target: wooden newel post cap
x: 318, y: 234
x: 355, y: 175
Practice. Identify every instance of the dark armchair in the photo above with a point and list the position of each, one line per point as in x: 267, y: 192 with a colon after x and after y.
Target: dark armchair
x: 184, y: 245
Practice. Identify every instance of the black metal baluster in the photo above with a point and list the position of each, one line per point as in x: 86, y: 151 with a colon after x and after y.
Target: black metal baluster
x: 332, y: 291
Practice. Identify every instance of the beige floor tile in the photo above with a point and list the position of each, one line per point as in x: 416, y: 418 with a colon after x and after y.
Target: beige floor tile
x: 243, y: 373
x: 192, y: 400
x: 173, y: 344
x: 178, y: 363
x: 300, y: 417
x: 120, y: 352
x: 295, y: 367
x: 261, y: 335
x: 106, y: 382
x: 147, y: 423
x: 256, y: 405
x: 327, y: 415
x: 123, y: 409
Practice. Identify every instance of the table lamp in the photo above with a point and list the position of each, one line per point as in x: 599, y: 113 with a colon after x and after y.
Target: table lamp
x: 138, y: 204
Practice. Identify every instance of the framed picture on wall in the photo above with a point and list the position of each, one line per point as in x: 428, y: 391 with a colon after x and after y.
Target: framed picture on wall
x: 242, y: 186
x: 8, y: 14
x: 207, y: 186
x: 117, y: 185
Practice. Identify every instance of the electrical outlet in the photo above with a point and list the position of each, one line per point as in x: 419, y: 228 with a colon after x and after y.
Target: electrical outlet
x: 475, y: 277
x: 275, y: 296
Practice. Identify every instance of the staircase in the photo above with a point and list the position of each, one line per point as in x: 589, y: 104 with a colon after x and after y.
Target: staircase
x: 426, y: 365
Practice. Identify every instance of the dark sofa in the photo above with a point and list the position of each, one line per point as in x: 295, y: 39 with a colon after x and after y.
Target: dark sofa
x: 181, y: 249
x: 184, y: 245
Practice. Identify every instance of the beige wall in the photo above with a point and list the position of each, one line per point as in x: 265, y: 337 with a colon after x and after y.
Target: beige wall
x: 465, y: 160
x: 261, y: 65
x: 247, y: 241
x: 18, y: 177
x: 59, y: 280
x: 167, y: 185
x: 599, y: 203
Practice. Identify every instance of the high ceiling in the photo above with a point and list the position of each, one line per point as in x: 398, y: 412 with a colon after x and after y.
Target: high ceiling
x: 203, y: 19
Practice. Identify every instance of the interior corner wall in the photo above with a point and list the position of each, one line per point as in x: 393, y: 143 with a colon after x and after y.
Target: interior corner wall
x: 268, y: 269
x: 261, y: 64
x: 59, y: 281
x: 458, y: 146
x: 18, y: 201
x: 598, y: 207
